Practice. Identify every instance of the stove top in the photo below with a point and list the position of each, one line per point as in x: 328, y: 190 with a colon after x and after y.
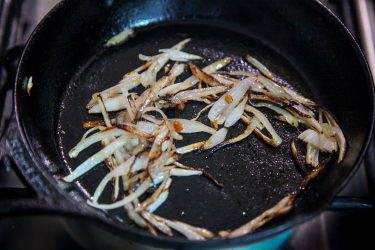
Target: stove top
x: 329, y: 231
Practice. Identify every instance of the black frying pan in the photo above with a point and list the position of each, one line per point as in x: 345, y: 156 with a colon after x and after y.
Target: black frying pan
x: 299, y: 40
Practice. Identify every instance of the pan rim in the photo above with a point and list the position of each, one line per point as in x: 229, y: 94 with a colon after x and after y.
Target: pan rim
x: 167, y: 241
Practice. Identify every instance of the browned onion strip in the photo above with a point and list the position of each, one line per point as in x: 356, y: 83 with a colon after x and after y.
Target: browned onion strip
x: 282, y: 207
x: 203, y: 76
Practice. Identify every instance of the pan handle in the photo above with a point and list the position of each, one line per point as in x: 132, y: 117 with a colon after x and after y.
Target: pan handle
x: 40, y: 195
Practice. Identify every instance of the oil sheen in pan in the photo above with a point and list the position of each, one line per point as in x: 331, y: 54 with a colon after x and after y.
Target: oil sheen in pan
x: 255, y: 176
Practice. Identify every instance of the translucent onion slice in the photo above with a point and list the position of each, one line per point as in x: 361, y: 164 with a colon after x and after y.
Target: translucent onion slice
x: 318, y: 140
x: 312, y: 155
x: 159, y: 223
x: 263, y: 119
x: 99, y: 136
x: 120, y: 38
x: 340, y: 138
x: 190, y: 148
x: 236, y: 114
x: 158, y: 202
x: 180, y: 56
x: 156, y: 146
x: 140, y: 163
x: 149, y: 76
x: 134, y: 216
x: 216, y: 138
x: 189, y: 126
x: 131, y: 197
x: 192, y: 80
x: 289, y: 118
x: 122, y: 169
x: 185, y: 172
x: 147, y: 127
x: 96, y: 158
x: 115, y: 103
x: 185, y: 230
x: 194, y: 94
x: 236, y: 94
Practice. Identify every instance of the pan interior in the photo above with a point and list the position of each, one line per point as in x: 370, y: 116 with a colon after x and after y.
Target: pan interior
x: 255, y: 176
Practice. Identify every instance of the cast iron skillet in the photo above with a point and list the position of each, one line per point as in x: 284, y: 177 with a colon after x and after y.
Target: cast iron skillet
x: 299, y: 40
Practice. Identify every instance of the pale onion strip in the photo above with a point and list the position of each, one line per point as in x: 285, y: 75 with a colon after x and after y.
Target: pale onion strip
x: 312, y: 155
x: 340, y: 138
x: 181, y: 45
x: 282, y: 207
x: 177, y: 55
x: 116, y: 190
x: 155, y: 195
x: 202, y: 231
x: 96, y: 158
x: 134, y: 216
x: 176, y: 136
x: 156, y: 146
x: 175, y: 71
x: 263, y: 119
x: 189, y: 126
x: 140, y: 163
x: 303, y: 110
x: 96, y: 137
x: 235, y: 94
x: 158, y: 202
x: 256, y: 86
x: 160, y: 224
x: 152, y: 119
x: 262, y: 68
x: 225, y: 80
x: 201, y: 111
x: 111, y: 104
x: 190, y: 148
x: 328, y: 130
x: 216, y: 138
x: 147, y: 127
x: 271, y: 86
x: 310, y: 122
x: 128, y: 107
x: 236, y: 114
x: 129, y: 82
x: 88, y: 132
x: 184, y: 229
x: 318, y: 140
x: 289, y: 118
x: 120, y: 38
x: 103, y: 110
x: 149, y: 76
x: 193, y: 94
x: 253, y: 124
x: 257, y: 64
x: 185, y: 172
x: 146, y: 58
x: 138, y: 192
x: 165, y: 145
x: 153, y: 95
x: 122, y: 169
x: 192, y: 80
x: 155, y: 168
x: 298, y: 98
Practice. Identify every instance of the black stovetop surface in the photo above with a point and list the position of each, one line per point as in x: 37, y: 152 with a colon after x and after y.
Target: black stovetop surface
x: 329, y: 231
